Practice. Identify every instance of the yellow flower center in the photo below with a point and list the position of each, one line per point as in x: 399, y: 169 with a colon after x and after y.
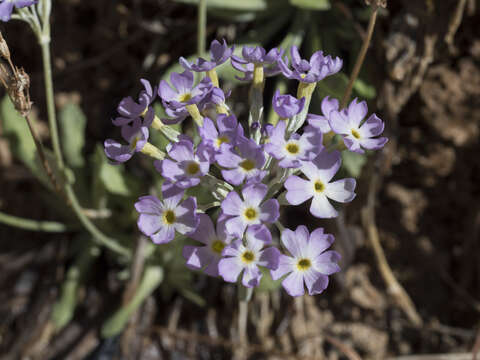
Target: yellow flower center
x: 192, y: 168
x: 218, y: 246
x: 319, y: 186
x: 355, y: 134
x: 292, y: 148
x: 303, y: 76
x: 250, y: 213
x: 185, y: 97
x: 247, y: 164
x: 304, y: 264
x: 222, y: 140
x: 248, y: 257
x: 169, y: 217
x: 133, y: 144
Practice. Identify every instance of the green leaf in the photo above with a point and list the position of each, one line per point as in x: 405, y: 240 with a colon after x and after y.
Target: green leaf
x: 364, y: 89
x: 152, y: 277
x: 17, y: 131
x: 114, y: 179
x: 353, y: 162
x: 63, y: 310
x: 312, y: 4
x: 72, y: 126
x: 244, y: 5
x: 267, y: 284
x: 23, y: 147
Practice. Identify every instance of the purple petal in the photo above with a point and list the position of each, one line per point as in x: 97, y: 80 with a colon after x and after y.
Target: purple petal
x: 327, y: 165
x: 373, y: 144
x: 319, y: 242
x: 321, y: 208
x: 197, y: 257
x: 293, y: 284
x: 149, y: 204
x: 187, y: 220
x: 164, y: 235
x: 316, y: 282
x: 205, y: 230
x: 285, y: 266
x: 172, y: 194
x: 236, y: 226
x: 341, y: 190
x: 298, y: 190
x: 356, y: 112
x: 149, y: 223
x: 183, y: 82
x: 232, y: 204
x: 270, y: 258
x: 251, y: 277
x: 234, y: 176
x: 229, y: 269
x: 269, y: 211
x: 373, y: 126
x: 293, y: 243
x: 326, y: 263
x: 254, y: 194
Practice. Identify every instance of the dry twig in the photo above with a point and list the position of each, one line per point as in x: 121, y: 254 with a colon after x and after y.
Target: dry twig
x: 393, y: 286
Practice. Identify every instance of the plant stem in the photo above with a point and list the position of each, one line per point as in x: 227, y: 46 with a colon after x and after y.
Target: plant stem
x: 201, y: 26
x: 360, y: 57
x: 101, y: 238
x: 34, y: 225
x: 52, y: 121
x: 44, y: 40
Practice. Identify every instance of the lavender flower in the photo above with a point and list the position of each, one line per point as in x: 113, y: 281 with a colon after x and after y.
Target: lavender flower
x: 186, y: 168
x: 291, y: 152
x: 357, y: 135
x: 248, y: 257
x: 244, y: 164
x: 130, y: 109
x: 322, y: 122
x: 249, y: 211
x: 311, y: 71
x: 160, y: 219
x: 219, y: 53
x: 309, y: 263
x: 207, y: 257
x: 257, y: 56
x: 6, y: 7
x: 319, y: 172
x: 136, y: 135
x: 224, y: 138
x: 287, y: 106
x: 183, y: 92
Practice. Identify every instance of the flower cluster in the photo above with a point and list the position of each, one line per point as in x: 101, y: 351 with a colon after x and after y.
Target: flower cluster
x: 250, y: 168
x: 6, y: 7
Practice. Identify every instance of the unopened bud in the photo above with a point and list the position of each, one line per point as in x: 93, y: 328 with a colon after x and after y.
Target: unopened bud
x: 4, y: 51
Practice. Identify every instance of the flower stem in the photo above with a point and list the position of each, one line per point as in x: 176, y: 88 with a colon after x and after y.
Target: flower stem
x: 201, y: 26
x: 360, y: 57
x: 34, y: 225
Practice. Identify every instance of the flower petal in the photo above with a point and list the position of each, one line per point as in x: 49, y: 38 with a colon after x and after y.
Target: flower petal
x: 321, y: 208
x: 229, y: 269
x: 293, y: 284
x: 341, y: 190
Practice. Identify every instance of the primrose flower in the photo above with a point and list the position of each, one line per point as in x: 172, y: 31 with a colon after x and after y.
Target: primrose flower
x: 6, y: 7
x: 249, y: 211
x: 257, y: 56
x: 219, y: 53
x: 287, y: 106
x: 160, y: 219
x: 243, y: 164
x: 183, y: 92
x: 135, y: 134
x: 225, y: 137
x: 322, y: 122
x: 130, y: 109
x: 309, y: 263
x: 207, y: 257
x: 319, y: 172
x: 357, y: 135
x: 186, y: 168
x: 248, y: 257
x: 291, y: 152
x: 311, y: 71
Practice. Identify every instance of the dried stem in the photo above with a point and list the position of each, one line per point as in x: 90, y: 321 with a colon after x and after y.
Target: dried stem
x: 201, y: 27
x: 360, y: 57
x: 393, y: 286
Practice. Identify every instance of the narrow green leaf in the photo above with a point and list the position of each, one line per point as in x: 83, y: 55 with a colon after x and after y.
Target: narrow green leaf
x: 152, y: 277
x: 353, y: 162
x: 64, y: 308
x: 114, y: 179
x: 72, y: 126
x: 244, y: 5
x: 312, y: 4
